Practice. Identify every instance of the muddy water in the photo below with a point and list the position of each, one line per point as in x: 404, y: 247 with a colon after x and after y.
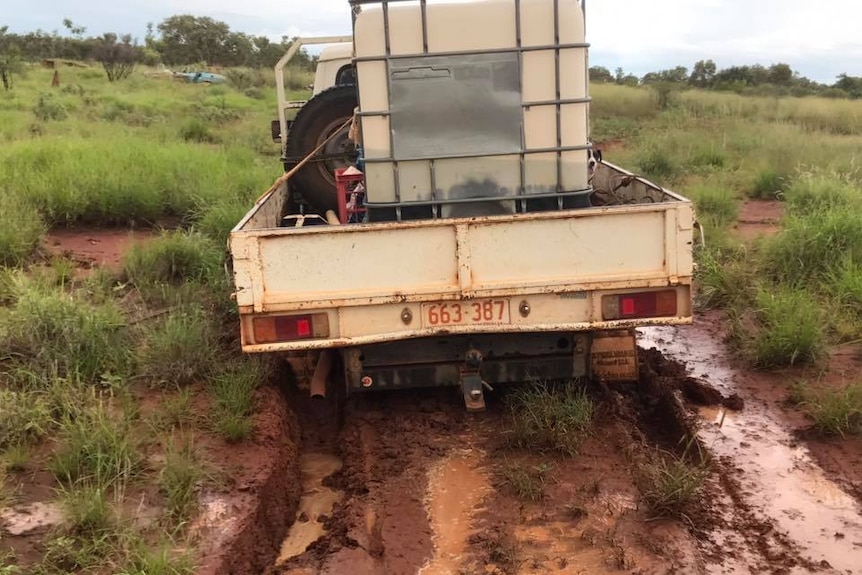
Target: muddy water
x: 778, y: 476
x: 456, y: 488
x: 317, y: 501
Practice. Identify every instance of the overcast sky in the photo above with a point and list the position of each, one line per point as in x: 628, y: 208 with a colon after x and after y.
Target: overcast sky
x: 820, y: 39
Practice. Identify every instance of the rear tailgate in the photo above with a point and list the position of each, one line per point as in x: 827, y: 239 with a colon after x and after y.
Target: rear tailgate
x: 381, y: 282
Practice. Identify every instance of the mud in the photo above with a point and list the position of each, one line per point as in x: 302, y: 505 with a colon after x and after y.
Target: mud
x: 759, y: 218
x: 30, y: 519
x: 97, y: 247
x: 424, y: 490
x: 240, y: 530
x: 800, y: 518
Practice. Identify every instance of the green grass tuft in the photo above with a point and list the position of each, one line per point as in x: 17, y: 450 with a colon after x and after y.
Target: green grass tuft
x: 527, y: 481
x: 769, y: 184
x: 25, y: 417
x: 233, y: 390
x: 180, y: 349
x: 52, y: 331
x: 544, y: 418
x: 98, y: 446
x: 174, y: 258
x: 180, y: 479
x: 87, y: 508
x: 790, y: 329
x: 21, y: 230
x: 669, y: 483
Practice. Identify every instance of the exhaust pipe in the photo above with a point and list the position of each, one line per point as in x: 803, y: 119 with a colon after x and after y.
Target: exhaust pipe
x: 321, y: 374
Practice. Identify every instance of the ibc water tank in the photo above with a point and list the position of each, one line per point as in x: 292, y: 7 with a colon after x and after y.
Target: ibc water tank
x: 460, y: 102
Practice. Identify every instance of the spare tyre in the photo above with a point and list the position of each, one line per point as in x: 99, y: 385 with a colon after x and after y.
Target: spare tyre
x: 316, y: 121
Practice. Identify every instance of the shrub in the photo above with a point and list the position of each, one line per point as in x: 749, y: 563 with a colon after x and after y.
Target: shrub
x: 769, y: 184
x: 655, y: 162
x: 48, y: 108
x: 197, y: 130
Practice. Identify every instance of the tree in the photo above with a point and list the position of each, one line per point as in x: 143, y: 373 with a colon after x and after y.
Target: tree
x: 76, y: 31
x: 601, y: 75
x: 850, y: 84
x: 117, y: 58
x: 703, y: 74
x: 187, y: 39
x: 780, y: 74
x: 10, y: 59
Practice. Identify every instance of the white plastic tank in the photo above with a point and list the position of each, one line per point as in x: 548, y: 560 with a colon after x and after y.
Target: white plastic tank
x: 487, y: 99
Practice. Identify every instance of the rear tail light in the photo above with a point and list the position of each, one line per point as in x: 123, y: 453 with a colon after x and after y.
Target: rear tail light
x: 638, y: 305
x: 273, y: 328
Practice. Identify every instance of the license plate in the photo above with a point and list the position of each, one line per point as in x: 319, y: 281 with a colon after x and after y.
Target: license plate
x: 476, y: 312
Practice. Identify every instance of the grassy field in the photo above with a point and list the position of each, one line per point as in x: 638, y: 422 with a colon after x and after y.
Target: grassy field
x: 111, y: 381
x: 83, y: 353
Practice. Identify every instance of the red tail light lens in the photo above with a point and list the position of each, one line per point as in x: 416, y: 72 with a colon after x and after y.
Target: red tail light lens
x: 273, y: 328
x: 638, y: 305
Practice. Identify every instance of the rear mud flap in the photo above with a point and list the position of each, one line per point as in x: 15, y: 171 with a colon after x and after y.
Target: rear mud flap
x: 613, y: 356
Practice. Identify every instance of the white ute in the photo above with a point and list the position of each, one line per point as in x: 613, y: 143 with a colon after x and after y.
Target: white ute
x: 479, y: 247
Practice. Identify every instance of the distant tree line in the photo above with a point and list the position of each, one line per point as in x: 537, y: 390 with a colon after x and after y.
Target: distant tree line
x: 181, y: 40
x: 776, y: 80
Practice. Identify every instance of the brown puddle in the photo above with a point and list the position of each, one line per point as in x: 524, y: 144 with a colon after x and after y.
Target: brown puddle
x: 456, y: 488
x: 778, y: 476
x: 317, y: 501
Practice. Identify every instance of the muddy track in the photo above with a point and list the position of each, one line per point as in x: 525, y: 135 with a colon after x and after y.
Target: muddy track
x: 408, y: 483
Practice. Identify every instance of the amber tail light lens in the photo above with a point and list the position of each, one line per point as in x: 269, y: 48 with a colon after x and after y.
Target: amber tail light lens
x: 274, y: 328
x: 639, y: 305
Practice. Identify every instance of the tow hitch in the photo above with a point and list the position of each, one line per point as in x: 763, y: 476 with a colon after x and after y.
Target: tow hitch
x: 471, y: 381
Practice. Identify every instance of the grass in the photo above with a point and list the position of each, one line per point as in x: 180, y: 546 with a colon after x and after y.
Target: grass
x: 180, y: 478
x: 25, y: 417
x: 233, y: 390
x: 87, y: 508
x: 526, y: 481
x: 173, y: 258
x: 77, y: 352
x: 179, y: 349
x: 834, y: 411
x: 670, y: 483
x: 547, y: 418
x: 21, y: 229
x: 98, y: 446
x: 15, y: 458
x: 788, y: 330
x: 52, y: 331
x: 158, y: 560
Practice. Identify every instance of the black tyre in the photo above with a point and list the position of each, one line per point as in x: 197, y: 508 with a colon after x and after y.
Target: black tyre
x: 315, y: 122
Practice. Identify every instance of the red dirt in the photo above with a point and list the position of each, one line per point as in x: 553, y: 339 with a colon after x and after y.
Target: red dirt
x: 96, y: 247
x: 261, y: 499
x: 759, y: 218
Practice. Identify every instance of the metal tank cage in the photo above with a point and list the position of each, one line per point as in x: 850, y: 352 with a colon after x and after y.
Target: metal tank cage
x: 521, y: 198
